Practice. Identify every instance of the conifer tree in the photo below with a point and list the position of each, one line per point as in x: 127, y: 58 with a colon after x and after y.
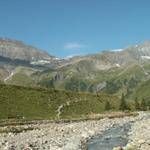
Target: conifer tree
x: 137, y: 105
x: 107, y: 105
x: 123, y: 105
x: 148, y: 105
x: 143, y: 105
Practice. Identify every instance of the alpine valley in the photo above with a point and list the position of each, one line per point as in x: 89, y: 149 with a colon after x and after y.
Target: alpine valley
x: 109, y: 72
x: 64, y: 104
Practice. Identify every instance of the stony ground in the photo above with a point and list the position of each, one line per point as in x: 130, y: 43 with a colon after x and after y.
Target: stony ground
x: 70, y: 136
x: 139, y: 137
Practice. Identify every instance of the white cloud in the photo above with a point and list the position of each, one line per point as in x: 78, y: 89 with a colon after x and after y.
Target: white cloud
x: 71, y: 56
x: 73, y: 46
x: 117, y: 50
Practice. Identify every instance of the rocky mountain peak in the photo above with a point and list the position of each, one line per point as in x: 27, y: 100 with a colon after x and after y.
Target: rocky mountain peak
x: 18, y: 50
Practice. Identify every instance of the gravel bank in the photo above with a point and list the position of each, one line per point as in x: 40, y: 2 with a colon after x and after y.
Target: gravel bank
x: 63, y: 136
x: 139, y: 137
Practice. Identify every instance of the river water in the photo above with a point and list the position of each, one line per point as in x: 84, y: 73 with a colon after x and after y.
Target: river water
x: 113, y: 137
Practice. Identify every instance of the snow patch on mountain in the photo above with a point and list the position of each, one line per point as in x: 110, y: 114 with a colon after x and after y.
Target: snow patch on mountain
x: 40, y: 62
x: 145, y: 57
x: 117, y: 65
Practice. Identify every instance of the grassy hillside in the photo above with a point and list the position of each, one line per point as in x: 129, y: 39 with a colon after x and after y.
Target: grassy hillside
x: 130, y: 79
x: 84, y: 78
x: 29, y: 103
x: 3, y: 73
x: 143, y: 91
x: 109, y: 72
x: 21, y: 76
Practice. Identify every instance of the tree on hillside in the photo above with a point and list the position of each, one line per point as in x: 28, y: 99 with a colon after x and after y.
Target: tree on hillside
x: 107, y: 105
x: 137, y: 105
x: 123, y: 105
x: 143, y: 105
x: 148, y: 104
x: 47, y: 84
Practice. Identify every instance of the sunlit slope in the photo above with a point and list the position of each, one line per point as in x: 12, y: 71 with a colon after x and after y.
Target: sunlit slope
x: 30, y: 103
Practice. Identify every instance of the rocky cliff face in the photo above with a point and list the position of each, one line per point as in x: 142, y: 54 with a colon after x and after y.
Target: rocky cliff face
x: 18, y: 50
x: 137, y: 54
x: 14, y: 54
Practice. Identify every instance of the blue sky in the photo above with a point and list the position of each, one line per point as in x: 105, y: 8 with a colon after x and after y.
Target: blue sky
x: 72, y: 27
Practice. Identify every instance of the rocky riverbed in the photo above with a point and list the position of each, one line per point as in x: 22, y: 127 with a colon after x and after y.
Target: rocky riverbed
x: 72, y: 136
x: 139, y: 137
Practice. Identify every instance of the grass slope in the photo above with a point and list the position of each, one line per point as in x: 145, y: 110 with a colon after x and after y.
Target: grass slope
x: 22, y: 76
x: 84, y: 77
x: 30, y: 103
x: 143, y: 91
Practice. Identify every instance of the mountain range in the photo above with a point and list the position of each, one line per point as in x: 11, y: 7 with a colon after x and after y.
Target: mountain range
x: 113, y: 72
